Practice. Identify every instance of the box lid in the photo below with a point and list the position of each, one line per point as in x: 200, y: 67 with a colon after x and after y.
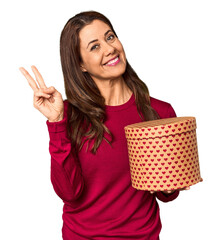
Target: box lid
x: 160, y: 127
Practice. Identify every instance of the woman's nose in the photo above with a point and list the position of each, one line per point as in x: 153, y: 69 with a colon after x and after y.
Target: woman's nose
x: 108, y: 49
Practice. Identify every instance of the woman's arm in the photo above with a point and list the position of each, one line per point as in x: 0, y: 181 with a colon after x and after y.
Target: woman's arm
x: 65, y: 169
x: 66, y: 175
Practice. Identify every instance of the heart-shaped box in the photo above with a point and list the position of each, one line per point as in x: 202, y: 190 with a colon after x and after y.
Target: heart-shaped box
x: 163, y: 154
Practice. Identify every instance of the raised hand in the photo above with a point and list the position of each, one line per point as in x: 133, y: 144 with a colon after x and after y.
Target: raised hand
x: 47, y: 100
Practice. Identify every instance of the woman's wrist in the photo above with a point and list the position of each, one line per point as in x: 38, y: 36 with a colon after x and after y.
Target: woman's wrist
x: 60, y: 118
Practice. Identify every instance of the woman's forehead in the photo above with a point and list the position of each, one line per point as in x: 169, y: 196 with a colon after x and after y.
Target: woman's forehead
x: 95, y: 30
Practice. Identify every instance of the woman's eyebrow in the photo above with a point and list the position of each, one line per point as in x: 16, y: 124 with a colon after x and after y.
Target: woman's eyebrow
x: 97, y: 39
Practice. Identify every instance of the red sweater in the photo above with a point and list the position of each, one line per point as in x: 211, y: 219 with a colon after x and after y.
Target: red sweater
x: 99, y: 201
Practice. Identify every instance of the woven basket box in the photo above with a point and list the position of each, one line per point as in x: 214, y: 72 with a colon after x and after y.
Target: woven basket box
x: 163, y: 154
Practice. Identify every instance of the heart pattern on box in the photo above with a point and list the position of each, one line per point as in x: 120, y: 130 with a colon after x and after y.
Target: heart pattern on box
x: 166, y: 162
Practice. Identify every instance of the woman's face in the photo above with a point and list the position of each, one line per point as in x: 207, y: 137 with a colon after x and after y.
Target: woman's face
x: 102, y: 53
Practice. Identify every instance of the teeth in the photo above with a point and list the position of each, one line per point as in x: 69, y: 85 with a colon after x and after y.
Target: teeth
x: 113, y: 61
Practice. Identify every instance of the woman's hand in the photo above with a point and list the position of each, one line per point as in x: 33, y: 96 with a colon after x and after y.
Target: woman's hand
x: 172, y: 191
x: 47, y: 100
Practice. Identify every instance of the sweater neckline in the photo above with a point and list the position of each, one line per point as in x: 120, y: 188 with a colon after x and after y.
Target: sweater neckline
x: 122, y: 106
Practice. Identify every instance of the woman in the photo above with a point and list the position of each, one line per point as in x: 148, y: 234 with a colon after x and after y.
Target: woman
x: 89, y: 158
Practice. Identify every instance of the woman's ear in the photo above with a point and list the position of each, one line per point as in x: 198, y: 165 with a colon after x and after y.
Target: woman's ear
x: 82, y: 68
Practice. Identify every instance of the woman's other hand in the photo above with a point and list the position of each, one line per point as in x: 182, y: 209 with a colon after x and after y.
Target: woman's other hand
x: 47, y: 100
x: 172, y: 191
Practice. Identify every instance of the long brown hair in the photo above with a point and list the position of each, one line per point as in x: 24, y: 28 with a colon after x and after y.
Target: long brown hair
x: 86, y: 109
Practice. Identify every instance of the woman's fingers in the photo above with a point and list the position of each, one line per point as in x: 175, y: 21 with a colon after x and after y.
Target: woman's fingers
x: 182, y: 189
x: 41, y: 94
x: 39, y: 97
x: 171, y: 191
x: 186, y: 188
x: 38, y: 77
x: 49, y: 90
x: 52, y: 91
x: 31, y: 81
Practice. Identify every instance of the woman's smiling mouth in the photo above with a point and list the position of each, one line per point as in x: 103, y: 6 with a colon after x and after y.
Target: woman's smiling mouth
x: 113, y: 62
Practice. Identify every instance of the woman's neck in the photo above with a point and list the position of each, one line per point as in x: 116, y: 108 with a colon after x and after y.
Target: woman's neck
x: 115, y: 92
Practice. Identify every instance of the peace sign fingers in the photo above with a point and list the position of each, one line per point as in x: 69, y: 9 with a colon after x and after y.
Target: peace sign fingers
x: 47, y: 100
x: 38, y: 77
x: 30, y: 80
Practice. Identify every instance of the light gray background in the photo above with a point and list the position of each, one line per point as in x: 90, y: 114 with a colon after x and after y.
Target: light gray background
x: 174, y: 46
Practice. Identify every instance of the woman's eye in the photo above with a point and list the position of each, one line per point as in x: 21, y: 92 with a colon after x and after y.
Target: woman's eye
x: 111, y: 37
x: 94, y: 47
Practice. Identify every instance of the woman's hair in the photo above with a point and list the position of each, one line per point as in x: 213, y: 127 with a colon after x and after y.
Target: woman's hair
x: 86, y: 109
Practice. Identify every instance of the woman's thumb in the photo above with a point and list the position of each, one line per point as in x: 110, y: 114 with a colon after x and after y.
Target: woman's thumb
x: 52, y: 91
x: 49, y: 89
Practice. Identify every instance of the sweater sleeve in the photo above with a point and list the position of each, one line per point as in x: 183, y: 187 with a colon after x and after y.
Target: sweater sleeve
x: 160, y: 195
x: 66, y: 175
